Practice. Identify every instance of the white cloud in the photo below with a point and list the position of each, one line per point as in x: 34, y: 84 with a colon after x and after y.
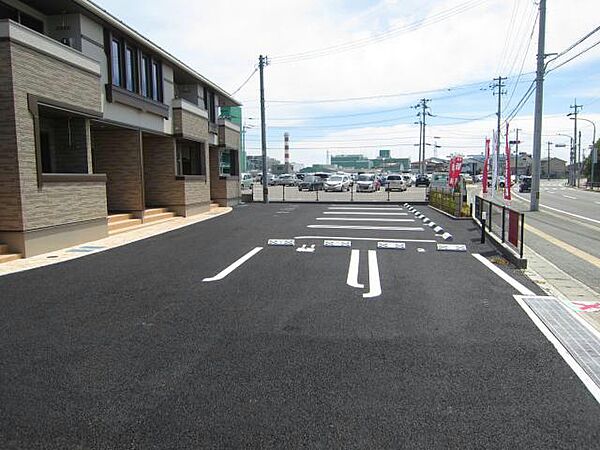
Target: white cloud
x: 223, y: 39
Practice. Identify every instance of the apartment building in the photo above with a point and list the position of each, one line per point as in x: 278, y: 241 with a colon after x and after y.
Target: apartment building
x: 101, y: 129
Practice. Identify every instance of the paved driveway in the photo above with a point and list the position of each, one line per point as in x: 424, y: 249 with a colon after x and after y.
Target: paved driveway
x: 131, y: 348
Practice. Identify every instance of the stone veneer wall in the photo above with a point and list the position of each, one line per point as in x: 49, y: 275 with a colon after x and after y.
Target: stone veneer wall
x: 189, y: 125
x: 229, y: 138
x: 41, y: 75
x: 118, y: 154
x: 11, y: 217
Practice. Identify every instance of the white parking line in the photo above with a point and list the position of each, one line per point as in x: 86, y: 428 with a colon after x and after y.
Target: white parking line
x: 352, y: 279
x: 569, y: 196
x: 361, y: 213
x: 506, y: 277
x: 352, y: 208
x: 234, y: 266
x: 364, y: 219
x: 374, y: 281
x: 359, y: 227
x: 366, y: 239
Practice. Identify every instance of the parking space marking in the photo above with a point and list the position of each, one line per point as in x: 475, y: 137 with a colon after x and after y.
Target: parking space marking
x: 391, y: 245
x: 506, y: 277
x: 352, y: 279
x: 362, y: 213
x: 234, y: 266
x: 426, y: 241
x: 374, y: 280
x: 332, y: 243
x: 359, y: 227
x: 570, y: 197
x: 352, y: 208
x: 364, y: 219
x: 283, y: 242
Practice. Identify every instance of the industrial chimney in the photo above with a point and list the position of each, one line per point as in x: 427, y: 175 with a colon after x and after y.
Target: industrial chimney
x: 286, y: 146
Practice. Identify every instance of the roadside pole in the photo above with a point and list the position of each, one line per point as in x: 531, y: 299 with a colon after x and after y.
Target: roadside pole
x: 262, y: 61
x: 539, y: 110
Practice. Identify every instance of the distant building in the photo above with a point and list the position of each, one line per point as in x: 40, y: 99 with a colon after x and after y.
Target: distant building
x: 384, y: 154
x: 391, y: 164
x: 254, y: 163
x: 558, y: 168
x: 432, y: 165
x: 356, y: 162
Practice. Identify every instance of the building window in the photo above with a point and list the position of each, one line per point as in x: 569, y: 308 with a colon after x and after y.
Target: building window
x: 224, y: 163
x: 212, y: 108
x: 63, y: 142
x: 8, y: 12
x: 190, y: 158
x: 130, y: 71
x: 144, y: 76
x: 156, y: 81
x: 116, y: 62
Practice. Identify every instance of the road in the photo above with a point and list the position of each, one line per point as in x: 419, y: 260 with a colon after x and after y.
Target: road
x: 207, y: 337
x: 572, y: 218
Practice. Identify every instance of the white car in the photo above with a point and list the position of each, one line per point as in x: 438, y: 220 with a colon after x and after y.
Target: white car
x: 246, y: 181
x: 395, y: 182
x: 367, y: 183
x: 408, y: 179
x: 337, y: 183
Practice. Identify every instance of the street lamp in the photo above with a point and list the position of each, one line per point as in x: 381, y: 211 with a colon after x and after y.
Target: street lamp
x: 593, y: 148
x: 572, y: 159
x: 548, y: 174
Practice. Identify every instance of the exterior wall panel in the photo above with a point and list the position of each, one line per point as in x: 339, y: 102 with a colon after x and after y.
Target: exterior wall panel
x: 41, y: 75
x: 10, y: 191
x: 117, y: 153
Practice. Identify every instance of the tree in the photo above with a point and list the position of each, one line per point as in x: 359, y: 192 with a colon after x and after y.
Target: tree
x: 587, y: 164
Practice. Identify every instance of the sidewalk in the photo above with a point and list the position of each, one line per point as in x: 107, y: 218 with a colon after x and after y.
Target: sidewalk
x: 107, y: 243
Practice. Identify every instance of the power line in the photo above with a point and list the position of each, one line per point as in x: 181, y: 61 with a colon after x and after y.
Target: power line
x: 245, y: 82
x: 390, y: 33
x: 573, y: 57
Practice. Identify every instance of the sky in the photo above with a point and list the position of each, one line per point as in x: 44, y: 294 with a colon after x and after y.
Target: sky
x: 344, y: 75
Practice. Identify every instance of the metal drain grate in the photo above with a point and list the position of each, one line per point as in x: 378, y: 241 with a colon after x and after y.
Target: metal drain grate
x: 582, y: 343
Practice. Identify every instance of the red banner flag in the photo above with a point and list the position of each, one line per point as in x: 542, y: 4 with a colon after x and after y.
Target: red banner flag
x: 485, y: 166
x: 507, y: 180
x: 454, y: 171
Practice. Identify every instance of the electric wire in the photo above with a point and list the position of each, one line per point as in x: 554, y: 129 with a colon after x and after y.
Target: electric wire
x: 245, y: 82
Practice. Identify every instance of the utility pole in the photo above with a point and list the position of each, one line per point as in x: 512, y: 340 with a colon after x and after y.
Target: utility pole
x: 539, y: 110
x: 262, y: 62
x: 579, y: 161
x: 548, y: 174
x: 423, y: 122
x: 517, y: 142
x: 574, y: 163
x: 498, y: 83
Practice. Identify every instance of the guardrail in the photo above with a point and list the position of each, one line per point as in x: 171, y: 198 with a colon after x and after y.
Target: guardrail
x: 506, y: 223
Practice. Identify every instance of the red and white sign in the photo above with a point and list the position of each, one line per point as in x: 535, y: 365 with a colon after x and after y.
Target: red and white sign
x: 454, y: 171
x: 485, y: 165
x: 507, y: 180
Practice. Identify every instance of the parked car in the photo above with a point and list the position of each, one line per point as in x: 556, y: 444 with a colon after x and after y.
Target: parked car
x: 395, y: 182
x: 422, y: 180
x: 337, y: 183
x: 311, y: 183
x: 367, y: 183
x: 286, y: 179
x: 468, y: 178
x: 525, y: 184
x: 246, y: 181
x: 300, y: 176
x: 408, y: 180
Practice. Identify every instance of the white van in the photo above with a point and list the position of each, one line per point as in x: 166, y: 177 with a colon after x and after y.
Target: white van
x: 246, y: 181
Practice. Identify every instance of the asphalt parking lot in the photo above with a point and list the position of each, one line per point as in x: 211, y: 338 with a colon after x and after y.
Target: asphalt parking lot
x: 209, y: 337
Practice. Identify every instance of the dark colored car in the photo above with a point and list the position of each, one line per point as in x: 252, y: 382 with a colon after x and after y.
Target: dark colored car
x: 525, y: 184
x: 311, y: 183
x: 422, y: 180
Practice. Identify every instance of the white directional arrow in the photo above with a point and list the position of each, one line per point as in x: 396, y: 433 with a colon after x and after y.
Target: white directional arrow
x: 305, y: 249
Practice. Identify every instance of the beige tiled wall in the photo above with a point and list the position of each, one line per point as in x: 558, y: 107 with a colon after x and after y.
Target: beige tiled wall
x: 40, y: 75
x: 10, y: 191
